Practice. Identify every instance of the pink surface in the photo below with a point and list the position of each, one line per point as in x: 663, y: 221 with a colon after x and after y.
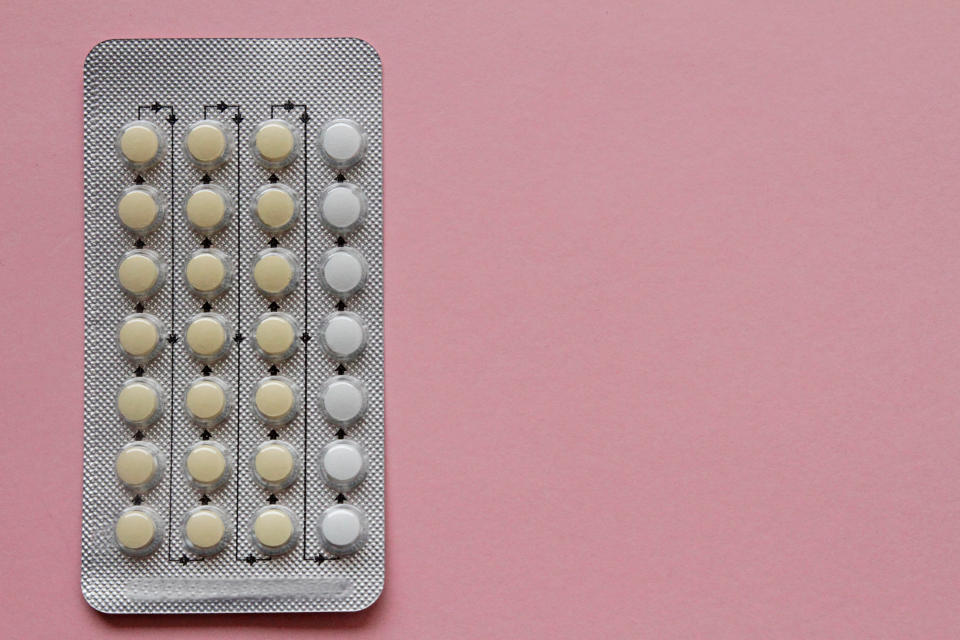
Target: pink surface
x: 673, y: 317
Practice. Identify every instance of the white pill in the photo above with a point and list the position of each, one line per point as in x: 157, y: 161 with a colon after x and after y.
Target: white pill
x: 140, y: 209
x: 343, y: 271
x: 208, y: 272
x: 205, y: 530
x: 140, y: 336
x: 139, y: 466
x: 343, y: 529
x: 141, y: 273
x: 343, y: 207
x: 274, y: 530
x: 343, y: 399
x: 276, y: 400
x: 207, y: 337
x: 276, y: 272
x: 342, y: 143
x: 343, y: 335
x: 276, y: 465
x: 138, y: 531
x: 208, y: 208
x: 275, y: 143
x: 140, y: 144
x: 206, y: 465
x: 275, y: 207
x: 138, y: 402
x: 207, y: 144
x: 343, y: 464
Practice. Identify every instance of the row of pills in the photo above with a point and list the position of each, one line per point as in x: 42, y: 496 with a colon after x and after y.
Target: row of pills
x: 273, y: 530
x: 273, y: 143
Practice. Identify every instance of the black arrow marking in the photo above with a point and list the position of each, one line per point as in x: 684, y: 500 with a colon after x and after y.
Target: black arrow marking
x: 273, y: 178
x: 341, y: 241
x: 273, y: 435
x: 341, y: 498
x: 138, y: 435
x: 205, y: 179
x: 341, y: 369
x: 250, y: 559
x: 273, y: 370
x: 274, y: 306
x: 139, y: 243
x: 138, y: 371
x: 274, y: 242
x: 171, y: 118
x: 305, y: 118
x: 238, y: 118
x: 206, y: 243
x: 205, y: 435
x: 184, y: 559
x: 305, y: 338
x: 204, y: 499
x: 318, y: 559
x: 340, y: 178
x: 138, y: 179
x: 156, y: 106
x: 273, y: 499
x: 172, y: 338
x: 341, y: 305
x: 206, y: 306
x: 206, y: 370
x: 139, y: 307
x: 238, y: 337
x: 341, y: 434
x: 137, y: 499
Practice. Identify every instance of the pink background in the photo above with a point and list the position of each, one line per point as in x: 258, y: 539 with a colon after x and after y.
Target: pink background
x: 673, y: 316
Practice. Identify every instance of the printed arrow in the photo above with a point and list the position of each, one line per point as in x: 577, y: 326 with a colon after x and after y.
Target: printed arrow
x: 205, y: 435
x: 171, y: 118
x: 341, y: 369
x: 340, y: 177
x: 205, y: 179
x: 341, y: 498
x: 172, y: 338
x: 206, y: 307
x: 139, y: 243
x: 138, y: 179
x: 137, y: 499
x: 341, y: 241
x: 238, y: 338
x: 184, y: 559
x: 273, y: 499
x: 341, y: 305
x: 273, y: 178
x: 250, y: 559
x: 318, y: 559
x: 206, y: 243
x: 274, y: 306
x: 273, y: 435
x: 273, y: 370
x: 341, y: 434
x: 139, y: 307
x: 204, y: 499
x: 206, y: 370
x: 138, y: 371
x: 274, y: 242
x: 305, y: 338
x: 238, y: 118
x: 138, y: 435
x: 304, y: 118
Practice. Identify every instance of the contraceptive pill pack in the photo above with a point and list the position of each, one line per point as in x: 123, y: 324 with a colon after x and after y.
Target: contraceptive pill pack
x: 233, y: 376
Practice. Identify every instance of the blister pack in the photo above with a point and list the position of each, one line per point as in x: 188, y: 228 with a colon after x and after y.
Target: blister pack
x: 233, y: 376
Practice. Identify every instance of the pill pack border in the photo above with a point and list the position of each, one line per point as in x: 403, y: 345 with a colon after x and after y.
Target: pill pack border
x: 239, y: 83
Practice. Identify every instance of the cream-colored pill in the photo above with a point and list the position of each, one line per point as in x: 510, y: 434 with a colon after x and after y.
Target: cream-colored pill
x: 139, y: 143
x: 275, y: 399
x: 275, y: 336
x: 206, y: 143
x: 135, y: 529
x: 205, y: 528
x: 138, y: 273
x: 206, y: 209
x: 275, y: 208
x: 139, y: 336
x: 138, y: 402
x: 274, y: 273
x: 206, y: 272
x: 206, y: 464
x: 273, y: 528
x: 274, y: 141
x: 206, y: 336
x: 274, y: 463
x: 206, y: 400
x: 136, y: 465
x: 138, y: 210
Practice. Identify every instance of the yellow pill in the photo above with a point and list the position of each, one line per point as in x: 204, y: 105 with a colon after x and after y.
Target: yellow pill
x: 138, y: 210
x: 139, y: 336
x: 274, y: 272
x: 139, y: 273
x: 273, y: 528
x: 275, y: 141
x: 137, y: 465
x: 206, y: 272
x: 275, y: 336
x: 275, y: 208
x: 138, y: 402
x: 206, y: 465
x: 206, y: 143
x: 206, y: 400
x: 207, y: 337
x: 206, y: 210
x: 275, y: 464
x: 204, y: 528
x: 275, y: 400
x: 139, y: 143
x: 135, y: 530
